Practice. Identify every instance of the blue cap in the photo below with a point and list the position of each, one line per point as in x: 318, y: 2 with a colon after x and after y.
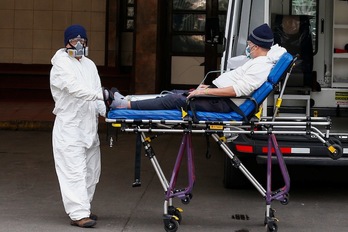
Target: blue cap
x: 262, y: 36
x: 74, y: 31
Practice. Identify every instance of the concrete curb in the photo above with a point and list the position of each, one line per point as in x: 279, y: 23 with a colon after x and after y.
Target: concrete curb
x: 23, y: 125
x: 26, y: 125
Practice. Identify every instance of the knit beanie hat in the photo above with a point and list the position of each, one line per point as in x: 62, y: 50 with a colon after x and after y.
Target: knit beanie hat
x: 74, y: 31
x: 262, y: 36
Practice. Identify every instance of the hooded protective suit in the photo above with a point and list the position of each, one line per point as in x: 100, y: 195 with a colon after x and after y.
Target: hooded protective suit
x: 76, y: 89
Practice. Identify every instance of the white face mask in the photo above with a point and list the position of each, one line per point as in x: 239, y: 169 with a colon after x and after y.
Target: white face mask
x: 248, y: 51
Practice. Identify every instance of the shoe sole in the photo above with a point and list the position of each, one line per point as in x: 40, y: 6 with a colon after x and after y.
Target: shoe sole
x: 86, y: 225
x: 106, y: 101
x: 93, y: 217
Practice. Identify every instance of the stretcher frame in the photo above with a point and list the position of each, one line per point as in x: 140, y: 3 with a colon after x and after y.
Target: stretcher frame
x: 219, y: 131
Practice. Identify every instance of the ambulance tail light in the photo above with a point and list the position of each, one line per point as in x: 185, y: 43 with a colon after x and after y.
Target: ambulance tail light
x: 283, y: 150
x: 244, y: 148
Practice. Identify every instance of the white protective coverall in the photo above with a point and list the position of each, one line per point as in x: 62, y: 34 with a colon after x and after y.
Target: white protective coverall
x: 76, y: 89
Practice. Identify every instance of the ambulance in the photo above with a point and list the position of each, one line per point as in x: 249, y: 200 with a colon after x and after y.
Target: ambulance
x: 316, y: 31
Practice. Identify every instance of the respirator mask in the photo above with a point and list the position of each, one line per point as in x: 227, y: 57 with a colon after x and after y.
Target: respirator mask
x: 248, y: 51
x: 78, y: 48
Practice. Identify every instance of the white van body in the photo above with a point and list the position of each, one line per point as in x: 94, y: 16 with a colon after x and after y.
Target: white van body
x: 331, y: 31
x: 331, y: 70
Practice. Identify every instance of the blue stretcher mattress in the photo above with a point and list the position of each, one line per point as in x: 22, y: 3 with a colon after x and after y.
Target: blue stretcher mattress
x: 247, y: 107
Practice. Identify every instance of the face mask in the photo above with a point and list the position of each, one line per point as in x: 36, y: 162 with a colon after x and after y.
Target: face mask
x: 78, y: 50
x: 248, y: 52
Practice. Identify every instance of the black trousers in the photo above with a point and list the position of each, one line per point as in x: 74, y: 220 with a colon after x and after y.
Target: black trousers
x: 177, y: 100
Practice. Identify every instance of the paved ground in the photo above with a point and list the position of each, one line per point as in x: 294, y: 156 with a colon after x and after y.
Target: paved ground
x: 30, y: 198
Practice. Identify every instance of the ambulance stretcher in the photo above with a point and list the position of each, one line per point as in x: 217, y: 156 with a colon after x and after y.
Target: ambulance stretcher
x: 220, y: 126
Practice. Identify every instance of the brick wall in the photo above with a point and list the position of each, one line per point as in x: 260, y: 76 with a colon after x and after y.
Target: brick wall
x: 145, y: 47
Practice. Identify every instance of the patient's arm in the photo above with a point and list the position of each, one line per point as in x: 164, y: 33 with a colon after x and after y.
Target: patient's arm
x: 219, y: 92
x: 202, y: 86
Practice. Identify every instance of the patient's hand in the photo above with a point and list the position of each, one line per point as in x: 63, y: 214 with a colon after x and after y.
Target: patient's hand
x: 197, y: 92
x: 202, y: 86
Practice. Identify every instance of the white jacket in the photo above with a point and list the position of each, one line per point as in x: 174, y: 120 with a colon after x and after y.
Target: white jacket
x: 252, y: 74
x: 76, y: 89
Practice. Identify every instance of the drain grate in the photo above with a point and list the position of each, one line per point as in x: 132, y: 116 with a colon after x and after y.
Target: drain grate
x: 243, y: 217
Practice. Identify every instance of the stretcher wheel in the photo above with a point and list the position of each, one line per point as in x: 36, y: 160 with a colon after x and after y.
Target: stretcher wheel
x: 271, y: 215
x: 187, y: 199
x: 171, y: 226
x: 285, y: 200
x: 272, y: 226
x: 176, y: 212
x: 334, y: 140
x: 338, y: 153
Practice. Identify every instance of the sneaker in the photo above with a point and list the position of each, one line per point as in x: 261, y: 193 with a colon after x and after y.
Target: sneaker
x: 108, y: 98
x: 84, y: 222
x: 93, y: 217
x: 114, y: 90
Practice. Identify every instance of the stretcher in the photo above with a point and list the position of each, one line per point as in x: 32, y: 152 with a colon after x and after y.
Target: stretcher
x: 222, y: 127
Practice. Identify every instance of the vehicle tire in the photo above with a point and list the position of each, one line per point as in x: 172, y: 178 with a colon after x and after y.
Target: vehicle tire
x: 235, y: 178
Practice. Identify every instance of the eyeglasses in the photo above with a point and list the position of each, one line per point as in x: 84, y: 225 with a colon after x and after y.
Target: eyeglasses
x: 250, y: 44
x: 75, y: 40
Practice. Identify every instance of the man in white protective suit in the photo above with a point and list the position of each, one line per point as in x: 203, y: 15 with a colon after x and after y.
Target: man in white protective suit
x: 77, y: 92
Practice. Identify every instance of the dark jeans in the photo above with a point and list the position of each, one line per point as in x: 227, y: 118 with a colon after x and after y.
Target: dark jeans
x: 177, y: 99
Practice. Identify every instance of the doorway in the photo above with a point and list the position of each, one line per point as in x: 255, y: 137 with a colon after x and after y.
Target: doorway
x: 187, y: 55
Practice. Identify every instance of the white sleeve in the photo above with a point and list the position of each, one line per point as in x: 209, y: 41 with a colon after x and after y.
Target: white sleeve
x: 101, y: 108
x: 250, y: 78
x: 62, y: 77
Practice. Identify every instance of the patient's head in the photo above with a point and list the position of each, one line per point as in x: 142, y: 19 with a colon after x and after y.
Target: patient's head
x: 262, y: 36
x: 259, y: 41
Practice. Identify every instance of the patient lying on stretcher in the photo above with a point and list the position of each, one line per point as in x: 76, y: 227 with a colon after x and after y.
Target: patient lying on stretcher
x: 241, y: 81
